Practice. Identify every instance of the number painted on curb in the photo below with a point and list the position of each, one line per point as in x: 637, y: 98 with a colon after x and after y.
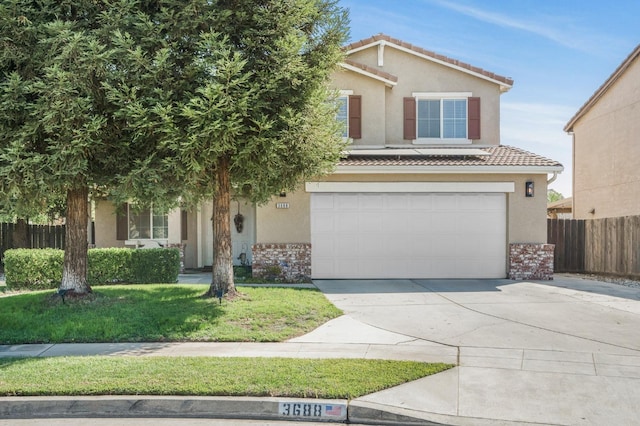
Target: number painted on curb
x: 311, y: 410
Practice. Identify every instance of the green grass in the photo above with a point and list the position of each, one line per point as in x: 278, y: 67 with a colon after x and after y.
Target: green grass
x: 201, y: 376
x: 156, y: 313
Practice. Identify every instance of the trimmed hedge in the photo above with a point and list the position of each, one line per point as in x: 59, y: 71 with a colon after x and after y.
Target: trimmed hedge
x: 35, y: 269
x: 38, y: 269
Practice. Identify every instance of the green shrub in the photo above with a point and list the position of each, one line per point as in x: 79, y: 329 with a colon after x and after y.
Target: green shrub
x: 109, y: 266
x: 40, y: 269
x: 35, y: 269
x: 156, y: 265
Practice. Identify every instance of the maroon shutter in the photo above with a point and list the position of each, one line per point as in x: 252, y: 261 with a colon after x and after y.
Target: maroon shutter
x: 183, y: 225
x: 355, y: 116
x: 473, y: 117
x: 122, y: 223
x: 410, y: 118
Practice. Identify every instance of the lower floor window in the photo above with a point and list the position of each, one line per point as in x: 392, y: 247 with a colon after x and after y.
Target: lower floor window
x: 145, y: 224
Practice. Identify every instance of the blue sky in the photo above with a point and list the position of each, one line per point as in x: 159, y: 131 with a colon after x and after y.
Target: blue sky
x: 557, y: 51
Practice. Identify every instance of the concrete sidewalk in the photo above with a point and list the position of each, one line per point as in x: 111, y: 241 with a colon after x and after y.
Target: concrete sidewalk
x: 565, y: 352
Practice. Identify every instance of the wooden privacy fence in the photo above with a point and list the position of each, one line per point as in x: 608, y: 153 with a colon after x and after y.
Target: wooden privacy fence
x: 40, y: 236
x: 609, y: 246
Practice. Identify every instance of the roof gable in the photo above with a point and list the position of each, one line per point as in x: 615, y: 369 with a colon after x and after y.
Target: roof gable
x: 374, y: 73
x: 383, y: 40
x: 603, y: 89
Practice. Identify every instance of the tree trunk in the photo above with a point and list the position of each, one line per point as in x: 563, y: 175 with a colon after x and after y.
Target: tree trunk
x: 222, y: 275
x: 74, y: 272
x: 20, y: 235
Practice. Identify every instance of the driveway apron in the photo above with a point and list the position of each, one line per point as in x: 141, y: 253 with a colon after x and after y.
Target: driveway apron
x: 559, y: 352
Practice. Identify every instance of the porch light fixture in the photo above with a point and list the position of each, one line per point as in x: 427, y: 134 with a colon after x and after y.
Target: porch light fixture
x: 528, y: 189
x: 283, y: 194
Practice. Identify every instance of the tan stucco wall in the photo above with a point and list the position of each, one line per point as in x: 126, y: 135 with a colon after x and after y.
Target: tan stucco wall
x: 527, y: 217
x: 290, y: 225
x: 373, y: 98
x: 105, y: 225
x: 606, y: 170
x: 416, y: 74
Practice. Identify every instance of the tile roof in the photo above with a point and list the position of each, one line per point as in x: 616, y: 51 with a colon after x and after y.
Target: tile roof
x: 500, y: 156
x: 383, y: 37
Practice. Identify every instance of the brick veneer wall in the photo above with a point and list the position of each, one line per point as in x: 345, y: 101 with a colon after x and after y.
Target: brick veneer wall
x: 531, y: 261
x: 287, y: 262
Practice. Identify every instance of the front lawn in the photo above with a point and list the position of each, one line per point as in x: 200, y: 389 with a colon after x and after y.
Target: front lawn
x: 159, y: 312
x: 206, y: 376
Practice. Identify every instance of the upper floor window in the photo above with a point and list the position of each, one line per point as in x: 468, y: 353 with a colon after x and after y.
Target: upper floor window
x: 442, y: 117
x: 350, y: 114
x: 343, y: 115
x: 146, y: 224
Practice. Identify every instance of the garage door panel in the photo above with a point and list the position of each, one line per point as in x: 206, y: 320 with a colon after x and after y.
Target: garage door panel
x: 421, y: 202
x: 446, y: 223
x: 370, y: 245
x: 347, y: 221
x: 345, y: 202
x: 322, y: 223
x: 396, y: 202
x: 322, y: 202
x: 345, y: 246
x: 416, y: 235
x: 371, y: 201
x: 370, y: 222
x: 444, y: 202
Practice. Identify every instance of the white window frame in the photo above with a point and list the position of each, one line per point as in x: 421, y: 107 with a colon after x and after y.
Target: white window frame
x: 151, y: 237
x: 344, y: 97
x: 441, y: 96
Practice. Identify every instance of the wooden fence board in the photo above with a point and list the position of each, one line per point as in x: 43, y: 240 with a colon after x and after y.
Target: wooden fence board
x: 609, y: 246
x: 40, y: 236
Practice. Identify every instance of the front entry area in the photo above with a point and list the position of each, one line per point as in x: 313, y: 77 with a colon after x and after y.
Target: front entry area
x: 408, y: 235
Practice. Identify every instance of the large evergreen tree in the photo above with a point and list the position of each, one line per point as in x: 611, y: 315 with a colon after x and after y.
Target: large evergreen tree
x: 148, y: 99
x: 59, y: 132
x: 247, y: 113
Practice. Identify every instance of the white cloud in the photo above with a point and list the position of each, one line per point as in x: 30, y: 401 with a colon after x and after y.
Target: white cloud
x: 582, y: 39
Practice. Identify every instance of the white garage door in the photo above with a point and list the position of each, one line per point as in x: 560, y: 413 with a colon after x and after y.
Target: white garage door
x: 408, y: 235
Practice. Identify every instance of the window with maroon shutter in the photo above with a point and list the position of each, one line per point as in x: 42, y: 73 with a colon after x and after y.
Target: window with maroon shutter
x: 183, y: 225
x: 355, y: 116
x: 410, y: 118
x: 473, y: 116
x: 122, y: 223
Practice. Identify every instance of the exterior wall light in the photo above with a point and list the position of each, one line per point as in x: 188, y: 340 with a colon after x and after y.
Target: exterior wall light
x: 528, y: 189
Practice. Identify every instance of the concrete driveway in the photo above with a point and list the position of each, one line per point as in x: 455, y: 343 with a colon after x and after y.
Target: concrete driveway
x: 560, y: 352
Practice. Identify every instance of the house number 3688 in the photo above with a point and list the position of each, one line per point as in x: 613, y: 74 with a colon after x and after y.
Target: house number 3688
x: 301, y: 410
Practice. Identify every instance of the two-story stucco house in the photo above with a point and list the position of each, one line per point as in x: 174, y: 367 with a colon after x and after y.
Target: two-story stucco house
x: 606, y: 149
x: 426, y: 190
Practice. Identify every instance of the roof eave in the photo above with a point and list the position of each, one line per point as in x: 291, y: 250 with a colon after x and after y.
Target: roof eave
x: 602, y: 89
x: 448, y: 169
x: 504, y: 87
x: 387, y: 82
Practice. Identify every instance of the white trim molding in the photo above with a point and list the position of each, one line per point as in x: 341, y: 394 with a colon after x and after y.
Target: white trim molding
x: 387, y: 82
x: 442, y: 95
x: 414, y: 187
x: 447, y: 169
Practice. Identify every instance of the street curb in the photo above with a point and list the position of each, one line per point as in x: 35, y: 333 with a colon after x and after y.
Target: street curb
x: 252, y: 408
x: 114, y: 406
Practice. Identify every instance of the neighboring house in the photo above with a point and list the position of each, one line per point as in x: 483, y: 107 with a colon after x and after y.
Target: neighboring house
x: 606, y: 148
x: 560, y: 209
x: 426, y: 190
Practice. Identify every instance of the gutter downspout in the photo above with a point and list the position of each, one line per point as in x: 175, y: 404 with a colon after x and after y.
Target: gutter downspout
x: 553, y: 178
